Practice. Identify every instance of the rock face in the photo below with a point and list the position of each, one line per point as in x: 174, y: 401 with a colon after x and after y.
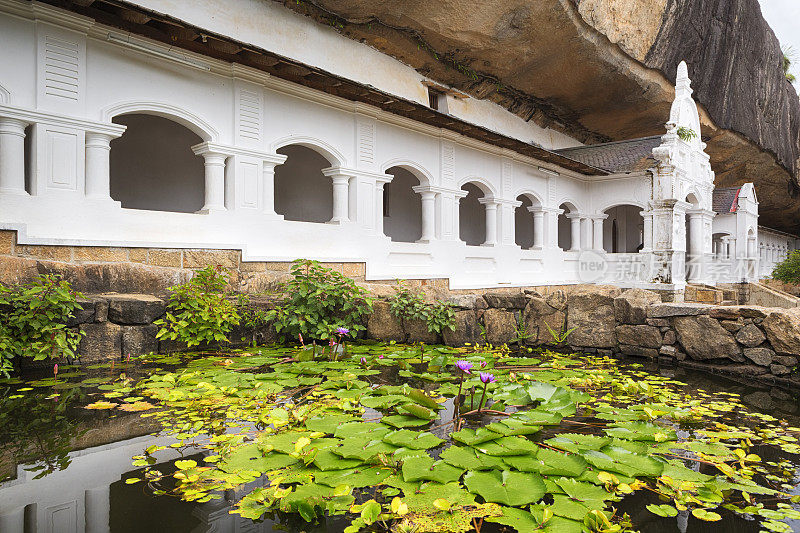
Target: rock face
x: 604, y: 70
x: 703, y: 338
x: 591, y: 313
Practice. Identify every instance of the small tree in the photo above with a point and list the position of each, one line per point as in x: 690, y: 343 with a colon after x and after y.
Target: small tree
x: 198, y: 311
x: 788, y: 270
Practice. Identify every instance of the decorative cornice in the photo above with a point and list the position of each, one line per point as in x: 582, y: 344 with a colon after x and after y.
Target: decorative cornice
x: 53, y: 119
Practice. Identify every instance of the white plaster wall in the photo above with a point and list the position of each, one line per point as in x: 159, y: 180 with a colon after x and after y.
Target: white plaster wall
x: 271, y: 26
x: 359, y: 142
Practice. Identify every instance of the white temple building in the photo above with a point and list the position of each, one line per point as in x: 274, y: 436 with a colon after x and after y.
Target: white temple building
x: 258, y: 136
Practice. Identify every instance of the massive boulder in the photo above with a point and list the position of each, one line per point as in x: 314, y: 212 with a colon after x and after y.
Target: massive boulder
x: 703, y: 338
x: 604, y: 70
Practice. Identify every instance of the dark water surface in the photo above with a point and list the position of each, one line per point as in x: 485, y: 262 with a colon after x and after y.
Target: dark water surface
x: 63, y: 468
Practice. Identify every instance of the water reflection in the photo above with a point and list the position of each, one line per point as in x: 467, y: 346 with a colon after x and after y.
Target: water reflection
x: 64, y: 470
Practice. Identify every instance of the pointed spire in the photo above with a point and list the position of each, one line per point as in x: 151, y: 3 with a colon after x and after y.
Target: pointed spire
x: 683, y: 85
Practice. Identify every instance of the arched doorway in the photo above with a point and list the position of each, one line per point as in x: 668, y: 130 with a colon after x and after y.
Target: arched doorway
x: 528, y: 222
x: 302, y: 192
x: 472, y: 216
x: 623, y: 230
x: 402, y: 207
x: 569, y: 236
x: 152, y: 165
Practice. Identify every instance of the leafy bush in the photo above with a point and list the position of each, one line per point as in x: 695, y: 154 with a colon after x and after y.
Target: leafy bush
x: 33, y: 321
x: 409, y: 305
x: 320, y: 300
x: 198, y: 311
x: 252, y: 317
x: 788, y: 270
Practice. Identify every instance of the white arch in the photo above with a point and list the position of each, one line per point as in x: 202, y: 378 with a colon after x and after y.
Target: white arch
x: 481, y: 183
x: 699, y: 197
x: 532, y: 196
x: 334, y: 156
x: 573, y: 203
x: 201, y: 127
x: 5, y: 95
x: 614, y: 204
x: 419, y: 172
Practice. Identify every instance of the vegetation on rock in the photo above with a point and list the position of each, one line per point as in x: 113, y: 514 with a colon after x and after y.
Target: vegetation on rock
x: 788, y: 270
x: 409, y: 305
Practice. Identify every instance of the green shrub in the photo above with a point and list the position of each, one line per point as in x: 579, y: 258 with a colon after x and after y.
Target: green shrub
x: 33, y: 321
x: 198, y: 311
x: 788, y: 270
x: 409, y: 305
x: 319, y: 301
x: 252, y: 317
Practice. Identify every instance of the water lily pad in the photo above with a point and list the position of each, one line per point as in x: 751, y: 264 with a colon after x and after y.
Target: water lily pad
x: 328, y: 423
x: 252, y: 457
x: 403, y: 421
x: 470, y: 458
x: 506, y: 487
x: 414, y: 440
x: 354, y: 477
x: 473, y: 437
x: 425, y: 468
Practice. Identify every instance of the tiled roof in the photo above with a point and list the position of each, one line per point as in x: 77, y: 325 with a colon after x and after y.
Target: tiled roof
x: 621, y: 156
x: 724, y: 199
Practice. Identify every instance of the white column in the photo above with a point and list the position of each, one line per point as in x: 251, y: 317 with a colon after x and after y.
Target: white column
x: 98, y: 510
x: 575, y: 228
x: 98, y: 166
x: 12, y: 156
x: 341, y: 197
x: 538, y: 227
x: 597, y: 232
x: 696, y: 235
x: 268, y: 188
x: 647, y: 230
x: 725, y: 248
x: 551, y: 227
x: 506, y: 211
x: 379, y: 204
x: 490, y: 204
x: 428, y: 216
x: 215, y: 177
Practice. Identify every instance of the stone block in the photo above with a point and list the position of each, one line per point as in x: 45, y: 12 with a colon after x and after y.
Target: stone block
x: 417, y: 331
x: 639, y: 335
x: 382, y: 325
x: 760, y: 356
x: 137, y: 340
x: 658, y: 322
x: 7, y: 241
x: 782, y: 327
x: 630, y: 307
x: 466, y: 301
x: 100, y: 254
x: 84, y: 315
x: 253, y: 266
x: 536, y: 325
x: 785, y: 360
x: 750, y: 336
x: 51, y: 253
x: 466, y: 331
x: 669, y: 351
x: 557, y: 300
x: 281, y: 266
x: 504, y: 300
x: 703, y: 338
x: 731, y: 325
x: 591, y: 313
x: 134, y: 308
x: 724, y: 313
x: 101, y: 342
x: 779, y: 370
x: 670, y: 337
x: 638, y: 351
x: 137, y: 255
x: 752, y: 311
x: 666, y: 310
x: 213, y: 258
x: 354, y: 270
x: 501, y: 326
x: 165, y: 258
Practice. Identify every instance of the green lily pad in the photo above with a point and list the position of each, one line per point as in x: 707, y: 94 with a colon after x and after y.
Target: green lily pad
x: 251, y: 457
x: 403, y: 421
x: 470, y: 459
x: 353, y: 477
x: 506, y: 487
x: 423, y: 467
x: 415, y: 440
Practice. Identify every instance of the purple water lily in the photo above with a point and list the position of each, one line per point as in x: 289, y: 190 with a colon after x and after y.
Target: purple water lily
x: 464, y: 366
x: 342, y: 331
x: 363, y: 360
x: 486, y: 378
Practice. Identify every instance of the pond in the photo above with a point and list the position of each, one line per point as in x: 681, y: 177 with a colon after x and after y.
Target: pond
x: 310, y: 439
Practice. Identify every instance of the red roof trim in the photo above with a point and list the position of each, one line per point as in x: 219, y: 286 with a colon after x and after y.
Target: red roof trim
x: 735, y: 204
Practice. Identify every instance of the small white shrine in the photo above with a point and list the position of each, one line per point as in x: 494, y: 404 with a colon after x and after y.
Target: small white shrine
x: 111, y: 138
